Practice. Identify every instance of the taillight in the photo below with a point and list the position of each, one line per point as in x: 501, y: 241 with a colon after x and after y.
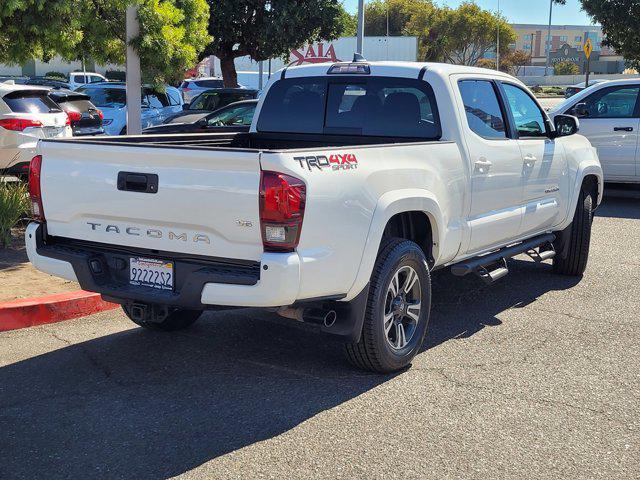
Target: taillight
x: 282, y: 202
x: 19, y: 124
x: 35, y: 192
x: 100, y: 114
x: 73, y: 116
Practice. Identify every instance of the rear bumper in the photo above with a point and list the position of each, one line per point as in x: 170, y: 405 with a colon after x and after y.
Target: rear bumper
x: 199, y: 282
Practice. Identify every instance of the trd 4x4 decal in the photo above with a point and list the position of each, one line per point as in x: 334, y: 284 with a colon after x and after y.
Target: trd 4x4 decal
x: 336, y: 161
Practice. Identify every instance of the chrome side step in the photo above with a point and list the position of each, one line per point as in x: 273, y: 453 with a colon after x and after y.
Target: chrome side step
x: 493, y: 266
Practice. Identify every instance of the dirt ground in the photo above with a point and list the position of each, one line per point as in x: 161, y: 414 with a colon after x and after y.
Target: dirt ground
x: 18, y: 278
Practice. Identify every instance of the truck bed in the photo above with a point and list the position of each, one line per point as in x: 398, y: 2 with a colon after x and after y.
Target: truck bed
x: 244, y: 141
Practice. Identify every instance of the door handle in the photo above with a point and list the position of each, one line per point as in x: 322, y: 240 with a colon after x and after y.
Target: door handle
x: 529, y: 161
x: 482, y: 165
x: 623, y: 129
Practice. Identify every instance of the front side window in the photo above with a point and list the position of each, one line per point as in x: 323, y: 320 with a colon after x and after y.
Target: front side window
x: 528, y: 118
x: 173, y: 97
x: 612, y: 102
x: 365, y: 106
x: 482, y: 108
x: 235, y: 116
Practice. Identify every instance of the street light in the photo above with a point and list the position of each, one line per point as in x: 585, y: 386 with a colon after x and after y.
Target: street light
x: 547, y: 44
x: 360, y: 34
x: 498, y: 40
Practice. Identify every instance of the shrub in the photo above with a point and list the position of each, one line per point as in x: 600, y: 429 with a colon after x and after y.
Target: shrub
x: 566, y: 68
x: 59, y: 75
x: 14, y: 204
x: 117, y: 75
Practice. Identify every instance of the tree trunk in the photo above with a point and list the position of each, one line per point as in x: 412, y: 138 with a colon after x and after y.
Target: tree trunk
x: 228, y: 68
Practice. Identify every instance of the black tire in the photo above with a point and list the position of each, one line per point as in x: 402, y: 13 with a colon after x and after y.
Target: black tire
x: 374, y: 351
x: 176, y: 320
x: 123, y: 131
x: 572, y: 246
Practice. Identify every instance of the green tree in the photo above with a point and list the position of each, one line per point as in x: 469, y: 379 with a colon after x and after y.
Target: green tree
x: 264, y: 29
x: 395, y: 13
x: 566, y: 68
x: 620, y: 20
x: 172, y: 32
x: 462, y: 35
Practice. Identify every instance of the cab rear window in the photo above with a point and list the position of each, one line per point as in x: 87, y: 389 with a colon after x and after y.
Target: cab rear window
x: 372, y: 106
x: 30, y: 102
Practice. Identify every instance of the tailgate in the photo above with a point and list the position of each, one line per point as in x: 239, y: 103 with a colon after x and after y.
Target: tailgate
x: 206, y: 201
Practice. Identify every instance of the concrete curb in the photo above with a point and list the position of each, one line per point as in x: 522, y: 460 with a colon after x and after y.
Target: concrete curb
x: 29, y: 312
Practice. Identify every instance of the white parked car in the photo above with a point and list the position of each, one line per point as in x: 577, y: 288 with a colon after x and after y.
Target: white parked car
x: 355, y: 181
x: 78, y: 79
x: 27, y: 114
x: 111, y: 98
x: 609, y: 116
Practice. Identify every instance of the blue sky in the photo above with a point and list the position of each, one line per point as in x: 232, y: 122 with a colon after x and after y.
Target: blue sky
x: 521, y: 11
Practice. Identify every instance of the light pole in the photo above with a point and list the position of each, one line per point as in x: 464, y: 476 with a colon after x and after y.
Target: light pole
x: 547, y: 44
x: 498, y: 40
x: 134, y: 82
x: 360, y: 37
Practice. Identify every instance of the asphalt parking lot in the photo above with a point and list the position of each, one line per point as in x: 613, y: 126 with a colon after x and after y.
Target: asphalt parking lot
x: 535, y: 377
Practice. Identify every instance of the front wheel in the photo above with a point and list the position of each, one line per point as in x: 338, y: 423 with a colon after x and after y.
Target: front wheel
x: 165, y: 321
x: 572, y: 246
x: 397, y: 310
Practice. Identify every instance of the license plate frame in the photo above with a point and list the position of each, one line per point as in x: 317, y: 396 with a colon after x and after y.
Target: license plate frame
x: 152, y: 273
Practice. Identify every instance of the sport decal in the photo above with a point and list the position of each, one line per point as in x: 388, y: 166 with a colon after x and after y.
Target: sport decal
x: 334, y: 162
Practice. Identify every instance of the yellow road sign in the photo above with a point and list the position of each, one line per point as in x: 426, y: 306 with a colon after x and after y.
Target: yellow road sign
x: 587, y: 47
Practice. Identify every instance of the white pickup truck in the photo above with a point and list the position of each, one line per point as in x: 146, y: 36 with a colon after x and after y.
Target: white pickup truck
x: 355, y: 181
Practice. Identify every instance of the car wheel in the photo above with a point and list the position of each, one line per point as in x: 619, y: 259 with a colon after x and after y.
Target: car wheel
x: 572, y: 246
x: 397, y: 311
x: 177, y: 319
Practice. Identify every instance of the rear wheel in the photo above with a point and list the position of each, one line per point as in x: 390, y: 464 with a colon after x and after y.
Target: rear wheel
x: 160, y: 318
x: 572, y: 246
x: 397, y: 310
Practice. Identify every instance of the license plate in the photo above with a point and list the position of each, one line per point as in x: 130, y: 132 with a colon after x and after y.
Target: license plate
x: 149, y: 272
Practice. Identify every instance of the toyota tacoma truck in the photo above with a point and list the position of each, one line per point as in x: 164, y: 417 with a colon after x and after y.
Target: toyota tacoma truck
x: 355, y: 182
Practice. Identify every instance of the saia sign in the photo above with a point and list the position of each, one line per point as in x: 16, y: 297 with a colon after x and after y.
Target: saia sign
x: 317, y: 54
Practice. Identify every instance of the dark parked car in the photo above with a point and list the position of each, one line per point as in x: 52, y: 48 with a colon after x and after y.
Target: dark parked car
x: 54, y: 83
x: 85, y: 118
x: 235, y: 117
x: 578, y: 87
x: 212, y: 100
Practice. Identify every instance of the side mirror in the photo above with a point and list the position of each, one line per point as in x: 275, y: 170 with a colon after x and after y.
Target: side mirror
x: 185, y: 106
x: 581, y: 110
x: 565, y: 125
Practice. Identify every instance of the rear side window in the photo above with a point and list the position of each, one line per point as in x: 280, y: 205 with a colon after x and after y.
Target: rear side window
x: 374, y: 106
x: 210, y: 83
x: 482, y: 108
x: 30, y: 102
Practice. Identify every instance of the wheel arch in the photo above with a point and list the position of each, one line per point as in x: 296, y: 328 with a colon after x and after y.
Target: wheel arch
x: 413, y: 213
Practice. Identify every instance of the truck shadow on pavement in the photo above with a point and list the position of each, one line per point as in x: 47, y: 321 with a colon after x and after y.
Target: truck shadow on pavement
x: 618, y: 207
x: 138, y: 404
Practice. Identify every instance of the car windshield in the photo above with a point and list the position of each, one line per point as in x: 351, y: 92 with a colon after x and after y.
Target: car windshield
x: 106, y: 97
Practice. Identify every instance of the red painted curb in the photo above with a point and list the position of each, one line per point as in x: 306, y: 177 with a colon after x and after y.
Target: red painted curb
x: 50, y: 309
